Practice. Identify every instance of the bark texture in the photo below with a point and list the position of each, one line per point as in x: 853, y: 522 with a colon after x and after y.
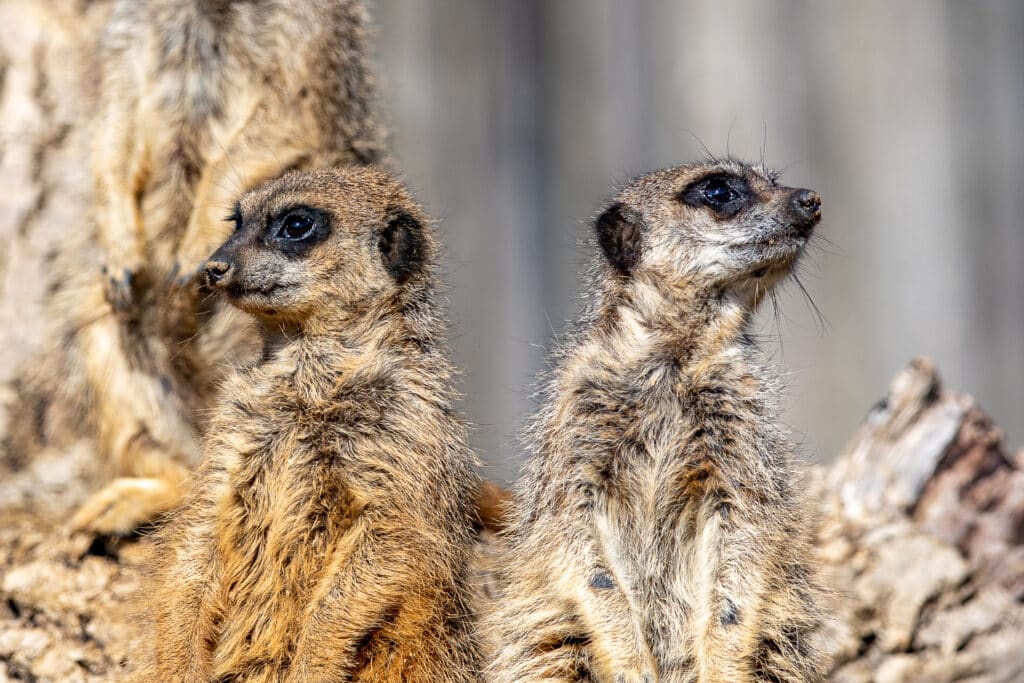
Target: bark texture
x: 922, y: 539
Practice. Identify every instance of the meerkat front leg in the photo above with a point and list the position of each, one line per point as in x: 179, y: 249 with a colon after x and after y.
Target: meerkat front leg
x: 380, y: 615
x: 186, y: 607
x: 132, y: 435
x: 749, y: 617
x: 120, y: 169
x: 607, y: 604
x: 619, y: 651
x: 587, y: 628
x: 538, y: 637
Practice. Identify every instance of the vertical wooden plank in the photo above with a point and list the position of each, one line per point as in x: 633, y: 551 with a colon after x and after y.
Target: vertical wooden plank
x: 463, y: 111
x: 512, y: 119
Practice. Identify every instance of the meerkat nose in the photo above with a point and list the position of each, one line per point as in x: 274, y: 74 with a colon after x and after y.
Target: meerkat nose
x: 806, y: 208
x: 217, y: 272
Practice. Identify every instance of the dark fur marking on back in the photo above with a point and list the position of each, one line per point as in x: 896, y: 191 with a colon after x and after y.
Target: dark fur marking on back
x: 730, y: 614
x: 372, y: 638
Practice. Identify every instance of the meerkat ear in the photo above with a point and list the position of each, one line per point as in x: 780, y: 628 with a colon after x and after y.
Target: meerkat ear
x: 401, y: 245
x: 619, y: 238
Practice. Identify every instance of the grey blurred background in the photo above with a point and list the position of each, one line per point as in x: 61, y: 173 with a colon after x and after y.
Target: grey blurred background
x: 512, y: 120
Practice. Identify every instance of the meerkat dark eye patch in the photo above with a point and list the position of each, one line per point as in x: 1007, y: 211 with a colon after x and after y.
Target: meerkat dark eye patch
x: 620, y: 239
x: 296, y: 230
x: 401, y: 246
x: 723, y: 193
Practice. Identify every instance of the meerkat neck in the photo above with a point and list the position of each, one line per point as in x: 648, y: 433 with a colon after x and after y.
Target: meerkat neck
x: 684, y: 326
x: 374, y: 328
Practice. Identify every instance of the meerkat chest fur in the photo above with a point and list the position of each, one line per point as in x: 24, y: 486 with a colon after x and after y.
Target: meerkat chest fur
x: 292, y: 449
x: 667, y: 443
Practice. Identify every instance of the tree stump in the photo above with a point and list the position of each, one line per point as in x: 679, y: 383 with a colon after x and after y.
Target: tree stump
x: 922, y: 540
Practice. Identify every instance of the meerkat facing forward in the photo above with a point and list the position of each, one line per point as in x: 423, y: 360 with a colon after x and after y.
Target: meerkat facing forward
x: 328, y: 533
x: 659, y: 532
x: 198, y: 100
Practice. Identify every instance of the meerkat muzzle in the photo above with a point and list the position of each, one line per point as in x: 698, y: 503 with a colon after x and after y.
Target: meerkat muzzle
x: 805, y: 206
x: 218, y: 273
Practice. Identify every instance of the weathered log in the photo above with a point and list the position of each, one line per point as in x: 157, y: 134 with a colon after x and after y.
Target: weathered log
x: 922, y: 540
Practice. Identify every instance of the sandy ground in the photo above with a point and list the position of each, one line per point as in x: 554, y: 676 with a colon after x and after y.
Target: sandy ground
x: 63, y: 599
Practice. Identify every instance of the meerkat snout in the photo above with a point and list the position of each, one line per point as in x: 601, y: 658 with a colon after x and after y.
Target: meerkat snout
x: 806, y: 208
x: 218, y: 273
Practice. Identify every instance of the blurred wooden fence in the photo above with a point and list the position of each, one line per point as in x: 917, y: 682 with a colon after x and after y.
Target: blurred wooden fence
x: 512, y: 118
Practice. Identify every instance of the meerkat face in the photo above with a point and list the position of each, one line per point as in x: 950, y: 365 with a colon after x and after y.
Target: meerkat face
x: 722, y: 226
x: 319, y: 241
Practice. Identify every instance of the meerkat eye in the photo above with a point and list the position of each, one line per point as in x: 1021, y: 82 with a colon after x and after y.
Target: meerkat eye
x: 296, y: 226
x: 723, y: 193
x: 297, y: 229
x: 718, y: 193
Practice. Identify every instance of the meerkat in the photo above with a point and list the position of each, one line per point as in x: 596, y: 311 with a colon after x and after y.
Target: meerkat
x: 197, y: 101
x: 328, y: 532
x: 658, y: 532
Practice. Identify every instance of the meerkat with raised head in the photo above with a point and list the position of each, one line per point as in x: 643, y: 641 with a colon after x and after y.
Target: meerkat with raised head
x: 658, y: 532
x: 328, y: 532
x: 197, y: 101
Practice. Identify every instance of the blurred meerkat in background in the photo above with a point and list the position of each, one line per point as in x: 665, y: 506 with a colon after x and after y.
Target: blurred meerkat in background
x: 198, y: 100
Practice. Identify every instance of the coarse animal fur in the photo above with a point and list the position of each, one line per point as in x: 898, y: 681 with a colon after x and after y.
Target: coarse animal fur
x: 658, y: 533
x: 198, y: 100
x: 329, y: 530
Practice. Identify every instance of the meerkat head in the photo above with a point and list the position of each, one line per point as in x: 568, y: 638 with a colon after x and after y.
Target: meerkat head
x: 719, y: 227
x: 313, y: 244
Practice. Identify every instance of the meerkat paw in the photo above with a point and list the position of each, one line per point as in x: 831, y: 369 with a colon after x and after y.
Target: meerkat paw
x: 185, y: 273
x: 191, y: 257
x: 125, y: 504
x: 186, y: 283
x: 119, y: 285
x: 183, y: 288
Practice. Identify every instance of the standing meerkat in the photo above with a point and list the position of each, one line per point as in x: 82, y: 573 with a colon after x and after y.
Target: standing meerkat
x: 659, y: 532
x: 198, y: 100
x: 328, y: 532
